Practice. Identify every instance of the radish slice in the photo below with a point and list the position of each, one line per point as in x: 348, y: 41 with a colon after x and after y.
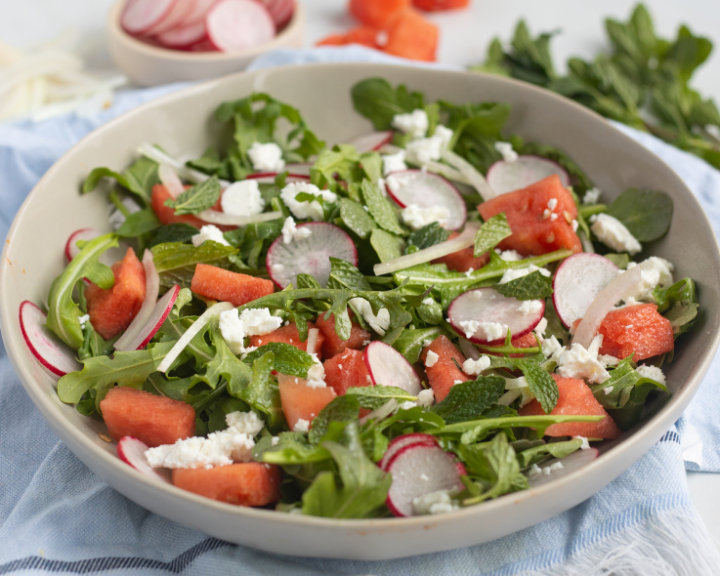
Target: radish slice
x: 617, y: 290
x: 476, y: 179
x: 183, y: 36
x: 387, y: 367
x: 281, y: 11
x: 71, y: 248
x: 132, y: 451
x: 235, y: 25
x: 470, y: 313
x: 406, y: 440
x: 309, y: 255
x: 578, y: 281
x: 551, y: 471
x: 171, y: 181
x: 428, y: 190
x: 297, y: 170
x: 158, y: 315
x: 269, y: 177
x: 417, y: 470
x: 191, y: 332
x: 506, y: 177
x: 371, y: 142
x: 464, y: 240
x: 141, y: 15
x: 180, y: 10
x: 198, y: 12
x: 312, y: 340
x: 216, y: 217
x: 44, y: 345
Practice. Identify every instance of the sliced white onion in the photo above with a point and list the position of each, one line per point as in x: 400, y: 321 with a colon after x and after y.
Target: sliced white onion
x: 156, y: 155
x: 464, y: 240
x: 171, y: 181
x: 468, y: 170
x: 191, y: 332
x: 312, y: 340
x: 436, y: 167
x: 152, y: 289
x: 379, y: 413
x: 215, y: 217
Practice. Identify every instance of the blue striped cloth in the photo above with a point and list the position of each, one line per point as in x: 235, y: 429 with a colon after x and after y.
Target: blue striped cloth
x: 57, y: 516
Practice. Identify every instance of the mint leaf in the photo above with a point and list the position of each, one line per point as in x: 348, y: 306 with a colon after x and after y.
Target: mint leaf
x: 344, y: 276
x: 139, y: 178
x: 494, y: 465
x: 341, y: 409
x: 539, y: 453
x: 372, y: 397
x: 645, y: 214
x: 200, y: 197
x: 307, y: 281
x: 533, y: 286
x: 379, y: 102
x: 429, y: 235
x: 411, y: 342
x: 288, y: 359
x: 387, y: 246
x: 679, y: 304
x: 355, y: 218
x: 381, y: 209
x: 541, y: 384
x: 178, y: 232
x: 139, y: 223
x: 469, y: 400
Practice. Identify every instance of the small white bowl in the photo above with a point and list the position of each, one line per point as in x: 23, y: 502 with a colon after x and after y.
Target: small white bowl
x: 150, y: 65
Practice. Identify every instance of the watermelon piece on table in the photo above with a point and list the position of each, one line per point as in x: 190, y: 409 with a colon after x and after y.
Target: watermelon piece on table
x: 535, y: 232
x: 576, y: 399
x: 299, y: 401
x: 333, y: 344
x: 288, y: 335
x: 411, y: 36
x: 444, y: 374
x: 638, y: 330
x: 463, y: 260
x: 112, y: 310
x: 245, y: 484
x: 154, y: 420
x: 226, y: 286
x: 377, y: 13
x: 437, y: 5
x: 347, y: 370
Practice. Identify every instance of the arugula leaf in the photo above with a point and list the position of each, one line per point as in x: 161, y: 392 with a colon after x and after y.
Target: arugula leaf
x: 139, y: 179
x: 138, y: 223
x: 177, y: 232
x: 379, y: 102
x: 344, y: 276
x: 491, y: 233
x: 372, y: 397
x: 494, y: 464
x: 538, y: 453
x: 175, y: 262
x: 291, y: 449
x: 430, y: 313
x: 381, y: 209
x: 63, y: 313
x: 225, y: 365
x: 533, y: 286
x: 262, y: 392
x: 343, y: 160
x: 355, y: 218
x: 469, y: 400
x: 288, y: 359
x: 616, y: 392
x: 340, y: 409
x: 541, y: 384
x: 194, y: 200
x: 679, y: 304
x: 174, y: 328
x: 429, y: 235
x: 411, y: 342
x: 645, y: 214
x: 94, y: 344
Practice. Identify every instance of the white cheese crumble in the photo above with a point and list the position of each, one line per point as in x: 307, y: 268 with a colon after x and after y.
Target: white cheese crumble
x: 607, y: 390
x: 507, y: 152
x: 407, y: 405
x: 414, y: 123
x: 530, y: 307
x: 431, y: 359
x: 444, y: 134
x: 655, y: 273
x: 438, y: 502
x: 551, y: 348
x: 613, y: 233
x: 552, y: 203
x: 488, y: 331
x: 275, y: 441
x: 509, y: 255
x: 394, y: 163
x: 426, y: 398
x: 513, y: 273
x: 607, y: 360
x: 426, y: 150
x: 428, y: 302
x: 380, y: 323
x: 553, y: 217
x: 254, y: 322
x: 242, y: 198
x: 301, y: 425
x: 316, y: 375
x: 291, y: 233
x: 83, y: 319
x: 578, y: 362
x: 652, y: 372
x: 246, y: 422
x: 266, y: 157
x: 417, y: 217
x: 592, y: 196
x: 474, y: 367
x: 540, y: 328
x: 306, y: 209
x: 209, y: 232
x: 575, y: 225
x: 585, y: 443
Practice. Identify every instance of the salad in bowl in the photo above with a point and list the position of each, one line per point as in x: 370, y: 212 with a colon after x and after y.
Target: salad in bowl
x: 431, y: 316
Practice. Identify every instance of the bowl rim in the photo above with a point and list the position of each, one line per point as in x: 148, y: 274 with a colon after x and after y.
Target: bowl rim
x: 115, y: 29
x: 645, y: 434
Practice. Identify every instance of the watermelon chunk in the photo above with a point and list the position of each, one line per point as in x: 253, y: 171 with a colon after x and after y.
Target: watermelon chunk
x: 112, y: 310
x: 299, y: 401
x: 463, y: 260
x: 444, y: 374
x: 333, y: 344
x: 638, y: 330
x: 411, y: 36
x: 246, y: 484
x: 154, y: 420
x: 534, y: 230
x: 377, y: 13
x: 347, y: 370
x: 287, y: 335
x: 226, y: 286
x: 575, y: 398
x: 167, y: 215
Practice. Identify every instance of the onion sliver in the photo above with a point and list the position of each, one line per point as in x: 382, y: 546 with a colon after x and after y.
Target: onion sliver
x: 156, y: 155
x: 170, y: 179
x: 152, y: 289
x: 312, y: 340
x: 468, y: 170
x: 216, y: 217
x: 464, y: 240
x: 380, y: 413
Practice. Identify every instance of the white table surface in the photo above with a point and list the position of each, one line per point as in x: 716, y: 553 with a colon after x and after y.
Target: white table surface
x: 464, y: 37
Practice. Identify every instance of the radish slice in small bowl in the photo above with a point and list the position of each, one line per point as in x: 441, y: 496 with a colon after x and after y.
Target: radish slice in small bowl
x: 477, y: 314
x: 406, y: 440
x: 578, y: 281
x: 371, y: 142
x: 551, y: 470
x: 71, y: 248
x: 48, y: 349
x: 309, y: 255
x: 418, y: 470
x: 387, y: 367
x: 139, y: 16
x: 235, y: 25
x: 132, y: 451
x: 506, y: 176
x: 428, y: 190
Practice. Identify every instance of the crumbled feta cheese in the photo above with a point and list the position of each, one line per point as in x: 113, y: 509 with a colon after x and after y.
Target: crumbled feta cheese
x: 275, y: 440
x: 408, y: 405
x: 380, y: 323
x: 540, y: 328
x: 426, y: 150
x: 394, y: 163
x: 457, y: 382
x: 438, y: 502
x: 209, y: 232
x: 578, y: 362
x: 316, y: 376
x: 551, y: 348
x: 652, y: 372
x: 444, y: 134
x: 83, y: 319
x: 592, y: 196
x: 474, y: 367
x: 301, y: 426
x: 613, y: 233
x: 428, y: 302
x: 553, y: 217
x: 414, y: 123
x: 546, y: 213
x: 506, y: 150
x: 116, y: 217
x: 431, y: 359
x: 530, y: 307
x: 488, y: 331
x: 656, y: 273
x: 607, y: 390
x: 242, y: 198
x: 585, y: 444
x: 607, y: 360
x: 426, y: 398
x: 417, y: 217
x: 469, y: 272
x: 552, y: 203
x: 513, y: 273
x: 509, y: 255
x: 306, y: 209
x: 266, y: 157
x: 575, y: 225
x: 555, y: 466
x: 245, y: 422
x: 218, y: 449
x: 291, y: 233
x: 254, y: 322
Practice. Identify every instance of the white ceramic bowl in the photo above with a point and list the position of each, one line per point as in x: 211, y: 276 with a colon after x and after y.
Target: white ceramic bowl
x: 182, y: 124
x: 150, y: 65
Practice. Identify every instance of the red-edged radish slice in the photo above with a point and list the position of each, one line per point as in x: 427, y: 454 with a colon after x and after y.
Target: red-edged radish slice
x: 506, y: 177
x: 71, y: 248
x: 417, y: 470
x: 484, y: 315
x: 406, y: 440
x: 180, y: 10
x: 301, y: 169
x: 371, y: 142
x: 132, y: 451
x: 578, y: 281
x: 48, y: 349
x: 269, y: 177
x: 197, y: 14
x: 129, y: 339
x: 281, y: 11
x: 184, y: 36
x: 309, y: 255
x: 428, y: 190
x: 158, y: 315
x: 170, y: 179
x: 387, y: 367
x: 140, y: 16
x: 551, y: 470
x: 235, y: 25
x: 617, y: 290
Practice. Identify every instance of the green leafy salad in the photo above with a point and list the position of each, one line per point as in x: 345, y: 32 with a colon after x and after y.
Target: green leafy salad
x: 435, y: 314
